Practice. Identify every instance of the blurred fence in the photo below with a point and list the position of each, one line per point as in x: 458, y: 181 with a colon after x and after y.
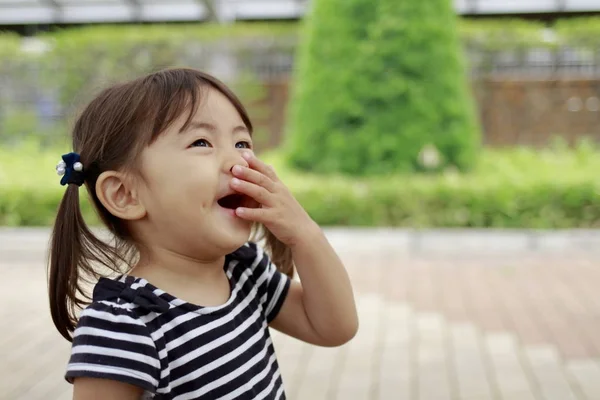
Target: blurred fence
x: 524, y: 97
x: 527, y: 97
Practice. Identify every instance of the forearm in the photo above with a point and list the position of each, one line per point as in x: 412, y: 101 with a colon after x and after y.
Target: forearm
x: 327, y: 292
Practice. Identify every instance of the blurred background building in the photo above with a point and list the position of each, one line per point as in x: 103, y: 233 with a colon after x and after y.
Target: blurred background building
x: 528, y: 89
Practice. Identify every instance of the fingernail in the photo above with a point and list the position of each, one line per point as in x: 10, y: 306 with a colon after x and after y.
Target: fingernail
x: 237, y: 168
x: 235, y: 181
x: 246, y: 155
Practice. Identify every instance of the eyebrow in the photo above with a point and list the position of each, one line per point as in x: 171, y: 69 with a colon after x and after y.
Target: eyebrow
x: 211, y: 128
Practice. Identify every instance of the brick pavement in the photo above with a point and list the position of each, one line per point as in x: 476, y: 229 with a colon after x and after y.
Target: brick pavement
x: 444, y: 322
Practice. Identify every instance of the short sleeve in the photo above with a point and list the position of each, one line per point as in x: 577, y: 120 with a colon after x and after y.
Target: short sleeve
x: 110, y: 342
x: 273, y: 285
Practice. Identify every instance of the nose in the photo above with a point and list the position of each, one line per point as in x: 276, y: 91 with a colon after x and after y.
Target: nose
x: 235, y: 158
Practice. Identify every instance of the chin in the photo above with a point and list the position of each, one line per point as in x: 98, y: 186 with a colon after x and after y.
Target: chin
x: 238, y: 236
x: 234, y: 242
x: 244, y: 234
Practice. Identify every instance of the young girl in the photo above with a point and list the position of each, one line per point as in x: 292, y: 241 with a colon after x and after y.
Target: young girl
x: 167, y: 161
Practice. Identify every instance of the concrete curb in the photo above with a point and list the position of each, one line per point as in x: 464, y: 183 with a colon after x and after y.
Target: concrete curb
x: 410, y: 241
x: 475, y: 241
x: 34, y: 241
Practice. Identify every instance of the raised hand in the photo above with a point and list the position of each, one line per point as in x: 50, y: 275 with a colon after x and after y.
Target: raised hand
x: 279, y: 211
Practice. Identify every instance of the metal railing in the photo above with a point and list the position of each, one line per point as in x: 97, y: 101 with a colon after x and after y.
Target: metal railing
x: 539, y: 63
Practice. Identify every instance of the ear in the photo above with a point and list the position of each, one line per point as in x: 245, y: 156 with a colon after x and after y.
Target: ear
x: 118, y: 197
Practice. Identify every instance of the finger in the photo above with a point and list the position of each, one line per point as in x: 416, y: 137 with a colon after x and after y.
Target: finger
x: 252, y: 214
x: 254, y: 176
x: 260, y: 166
x: 258, y: 193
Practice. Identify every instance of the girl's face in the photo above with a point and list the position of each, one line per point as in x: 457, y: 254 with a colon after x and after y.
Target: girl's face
x: 185, y: 186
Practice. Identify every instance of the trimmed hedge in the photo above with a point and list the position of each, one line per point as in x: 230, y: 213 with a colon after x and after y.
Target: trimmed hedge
x: 400, y: 203
x: 386, y: 83
x: 510, y: 189
x: 582, y: 32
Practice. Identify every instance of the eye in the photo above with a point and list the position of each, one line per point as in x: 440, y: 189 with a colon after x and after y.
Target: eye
x: 243, y: 145
x: 201, y: 143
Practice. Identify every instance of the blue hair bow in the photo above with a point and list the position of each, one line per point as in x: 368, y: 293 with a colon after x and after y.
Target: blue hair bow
x: 71, y: 169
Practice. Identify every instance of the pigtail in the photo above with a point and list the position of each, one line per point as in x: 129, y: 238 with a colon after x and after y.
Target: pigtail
x: 74, y: 249
x: 65, y: 251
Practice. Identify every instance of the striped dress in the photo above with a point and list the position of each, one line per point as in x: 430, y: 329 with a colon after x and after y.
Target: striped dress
x: 136, y: 333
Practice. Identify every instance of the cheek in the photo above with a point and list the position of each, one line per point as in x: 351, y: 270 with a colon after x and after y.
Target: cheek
x: 199, y: 188
x: 208, y: 191
x: 185, y: 185
x: 159, y: 188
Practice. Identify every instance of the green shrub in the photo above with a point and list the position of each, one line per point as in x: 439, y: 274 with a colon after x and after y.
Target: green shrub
x: 446, y: 204
x: 376, y: 84
x: 18, y: 123
x: 9, y: 48
x: 582, y: 32
x: 519, y: 188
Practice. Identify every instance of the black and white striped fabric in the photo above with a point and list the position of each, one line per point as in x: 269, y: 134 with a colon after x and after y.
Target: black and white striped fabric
x: 136, y: 333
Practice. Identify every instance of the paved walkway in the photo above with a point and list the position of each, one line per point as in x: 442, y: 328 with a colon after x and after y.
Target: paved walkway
x: 443, y: 316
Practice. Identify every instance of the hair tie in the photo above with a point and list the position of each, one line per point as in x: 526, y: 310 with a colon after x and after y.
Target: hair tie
x: 71, y: 170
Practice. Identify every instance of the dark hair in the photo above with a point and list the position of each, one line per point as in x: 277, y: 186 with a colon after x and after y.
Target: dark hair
x: 109, y: 135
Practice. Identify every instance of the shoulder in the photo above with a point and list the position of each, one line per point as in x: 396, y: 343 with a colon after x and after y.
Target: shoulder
x: 112, y: 342
x: 111, y: 320
x: 271, y: 284
x: 111, y: 311
x: 115, y: 313
x: 253, y: 257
